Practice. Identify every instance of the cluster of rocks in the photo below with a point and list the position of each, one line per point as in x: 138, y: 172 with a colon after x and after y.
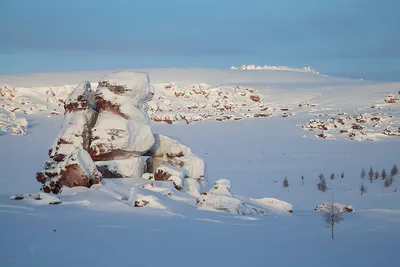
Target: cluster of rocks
x: 334, y: 207
x: 21, y: 100
x: 199, y: 102
x: 9, y: 123
x: 219, y: 198
x: 106, y: 133
x: 391, y: 98
x: 356, y: 127
x: 389, y: 131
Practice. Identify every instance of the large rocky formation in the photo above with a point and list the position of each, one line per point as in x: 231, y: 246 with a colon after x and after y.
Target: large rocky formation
x: 122, y: 133
x: 69, y: 163
x: 106, y: 133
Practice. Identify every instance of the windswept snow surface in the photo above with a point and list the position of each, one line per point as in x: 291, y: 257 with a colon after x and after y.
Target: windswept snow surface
x: 100, y: 226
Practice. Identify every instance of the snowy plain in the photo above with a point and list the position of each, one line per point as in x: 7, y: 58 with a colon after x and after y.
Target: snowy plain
x: 94, y: 227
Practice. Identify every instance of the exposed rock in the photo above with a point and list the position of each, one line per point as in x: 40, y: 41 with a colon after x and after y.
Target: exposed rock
x: 141, y: 203
x: 69, y: 163
x: 111, y: 127
x: 325, y: 207
x: 122, y: 129
x: 6, y: 92
x: 389, y: 131
x: 167, y: 151
x: 391, y: 98
x: 220, y: 199
x: 77, y: 169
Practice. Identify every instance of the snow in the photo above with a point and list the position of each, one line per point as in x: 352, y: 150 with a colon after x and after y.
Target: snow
x: 254, y: 154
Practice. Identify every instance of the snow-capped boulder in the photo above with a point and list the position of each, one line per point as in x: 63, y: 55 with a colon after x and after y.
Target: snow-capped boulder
x: 114, y: 137
x: 171, y: 173
x: 221, y: 187
x: 167, y: 151
x: 139, y: 198
x: 326, y: 206
x: 273, y: 204
x: 219, y: 198
x: 76, y: 169
x: 133, y: 85
x: 221, y: 203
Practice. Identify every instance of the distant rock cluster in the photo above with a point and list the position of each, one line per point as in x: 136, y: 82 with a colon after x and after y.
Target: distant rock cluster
x: 359, y: 127
x: 277, y: 68
x: 176, y: 103
x: 9, y: 123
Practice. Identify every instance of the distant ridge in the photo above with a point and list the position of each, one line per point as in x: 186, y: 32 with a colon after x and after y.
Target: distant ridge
x: 278, y: 68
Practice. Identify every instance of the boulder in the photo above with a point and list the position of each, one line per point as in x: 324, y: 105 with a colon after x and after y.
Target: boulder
x: 122, y: 129
x: 168, y: 151
x: 273, y: 204
x: 114, y: 137
x: 76, y: 169
x: 326, y: 206
x: 219, y: 198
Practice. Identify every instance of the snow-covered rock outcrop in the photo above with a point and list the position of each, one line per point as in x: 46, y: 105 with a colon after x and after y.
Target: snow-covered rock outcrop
x: 167, y: 151
x: 106, y: 133
x: 327, y: 206
x: 359, y: 127
x: 69, y: 163
x: 9, y: 123
x: 273, y: 204
x: 176, y: 102
x: 219, y: 198
x: 276, y: 68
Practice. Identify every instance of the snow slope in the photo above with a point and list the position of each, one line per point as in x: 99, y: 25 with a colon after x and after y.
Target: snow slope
x: 101, y: 227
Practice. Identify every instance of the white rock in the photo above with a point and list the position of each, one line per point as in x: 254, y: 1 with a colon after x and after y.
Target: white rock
x: 126, y: 168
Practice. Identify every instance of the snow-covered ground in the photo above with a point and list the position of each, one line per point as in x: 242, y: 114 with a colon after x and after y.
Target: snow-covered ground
x: 101, y: 227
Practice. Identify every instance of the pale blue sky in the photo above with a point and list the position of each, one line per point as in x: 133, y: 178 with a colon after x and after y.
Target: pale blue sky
x: 339, y: 37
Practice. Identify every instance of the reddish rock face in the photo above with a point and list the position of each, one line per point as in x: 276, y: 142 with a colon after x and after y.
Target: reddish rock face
x: 161, y: 175
x: 99, y: 153
x: 69, y: 164
x: 73, y: 175
x: 104, y: 105
x: 6, y: 91
x: 162, y: 120
x: 140, y: 203
x: 255, y: 98
x: 115, y: 88
x: 79, y: 104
